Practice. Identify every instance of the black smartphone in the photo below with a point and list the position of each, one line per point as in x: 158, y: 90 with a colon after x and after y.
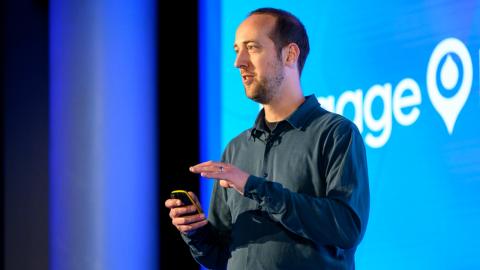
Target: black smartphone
x: 186, y: 199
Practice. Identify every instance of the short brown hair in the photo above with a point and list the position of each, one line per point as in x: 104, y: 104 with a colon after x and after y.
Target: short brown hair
x: 288, y: 29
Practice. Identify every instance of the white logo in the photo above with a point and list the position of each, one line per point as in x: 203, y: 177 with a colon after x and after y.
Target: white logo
x: 401, y: 102
x: 449, y: 107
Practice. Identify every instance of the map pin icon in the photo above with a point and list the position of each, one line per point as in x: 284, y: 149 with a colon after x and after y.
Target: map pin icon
x: 449, y: 107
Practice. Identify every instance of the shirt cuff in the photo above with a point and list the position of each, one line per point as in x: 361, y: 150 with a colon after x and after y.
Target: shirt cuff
x: 268, y: 194
x: 251, y: 187
x: 257, y: 189
x: 196, y: 235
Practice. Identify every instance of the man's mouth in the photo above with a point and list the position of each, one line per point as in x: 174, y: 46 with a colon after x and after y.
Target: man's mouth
x: 247, y: 78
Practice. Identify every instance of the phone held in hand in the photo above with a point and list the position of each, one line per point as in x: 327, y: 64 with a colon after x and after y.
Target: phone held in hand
x: 186, y: 199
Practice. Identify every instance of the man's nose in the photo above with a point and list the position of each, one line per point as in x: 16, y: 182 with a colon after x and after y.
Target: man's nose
x: 241, y: 60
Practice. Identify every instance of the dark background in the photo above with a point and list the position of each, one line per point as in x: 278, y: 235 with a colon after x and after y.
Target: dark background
x: 25, y: 128
x: 178, y: 125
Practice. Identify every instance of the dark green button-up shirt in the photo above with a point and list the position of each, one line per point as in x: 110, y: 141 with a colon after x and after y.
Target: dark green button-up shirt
x: 305, y: 205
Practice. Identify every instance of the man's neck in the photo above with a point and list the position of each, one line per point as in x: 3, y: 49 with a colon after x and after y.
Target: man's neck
x: 283, y: 105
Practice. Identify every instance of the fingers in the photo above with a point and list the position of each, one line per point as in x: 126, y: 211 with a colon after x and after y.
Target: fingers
x: 224, y: 183
x: 211, y: 172
x: 192, y: 226
x: 208, y: 169
x: 182, y: 211
x: 214, y: 175
x: 172, y: 203
x: 206, y: 163
x: 186, y: 220
x: 186, y: 224
x: 209, y: 166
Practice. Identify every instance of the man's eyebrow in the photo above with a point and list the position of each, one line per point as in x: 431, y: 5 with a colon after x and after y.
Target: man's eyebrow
x: 248, y: 41
x: 244, y: 42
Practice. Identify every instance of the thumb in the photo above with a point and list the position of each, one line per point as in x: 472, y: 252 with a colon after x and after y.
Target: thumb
x: 225, y: 183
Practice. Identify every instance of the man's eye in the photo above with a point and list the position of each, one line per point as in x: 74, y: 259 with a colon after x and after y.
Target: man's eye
x: 251, y: 47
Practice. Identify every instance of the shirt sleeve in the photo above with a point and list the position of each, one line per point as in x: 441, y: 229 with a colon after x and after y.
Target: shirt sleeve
x: 209, y: 245
x: 339, y: 218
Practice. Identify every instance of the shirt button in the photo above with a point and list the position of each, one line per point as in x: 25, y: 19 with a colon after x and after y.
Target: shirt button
x: 265, y: 175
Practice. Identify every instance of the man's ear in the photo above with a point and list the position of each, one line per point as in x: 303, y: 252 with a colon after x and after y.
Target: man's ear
x: 291, y: 53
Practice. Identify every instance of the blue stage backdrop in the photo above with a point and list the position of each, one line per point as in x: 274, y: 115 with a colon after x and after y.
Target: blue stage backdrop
x: 407, y: 74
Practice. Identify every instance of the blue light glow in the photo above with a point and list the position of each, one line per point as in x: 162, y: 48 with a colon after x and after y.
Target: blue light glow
x: 210, y: 92
x: 103, y: 141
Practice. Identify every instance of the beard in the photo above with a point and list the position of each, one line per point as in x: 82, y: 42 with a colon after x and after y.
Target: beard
x: 264, y: 89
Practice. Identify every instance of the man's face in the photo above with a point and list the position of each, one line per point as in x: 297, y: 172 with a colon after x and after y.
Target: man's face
x: 260, y: 67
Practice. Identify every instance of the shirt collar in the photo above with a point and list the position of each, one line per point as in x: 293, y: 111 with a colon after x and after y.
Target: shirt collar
x: 297, y: 119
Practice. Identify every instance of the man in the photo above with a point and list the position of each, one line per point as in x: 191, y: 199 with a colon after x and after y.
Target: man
x: 293, y: 190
